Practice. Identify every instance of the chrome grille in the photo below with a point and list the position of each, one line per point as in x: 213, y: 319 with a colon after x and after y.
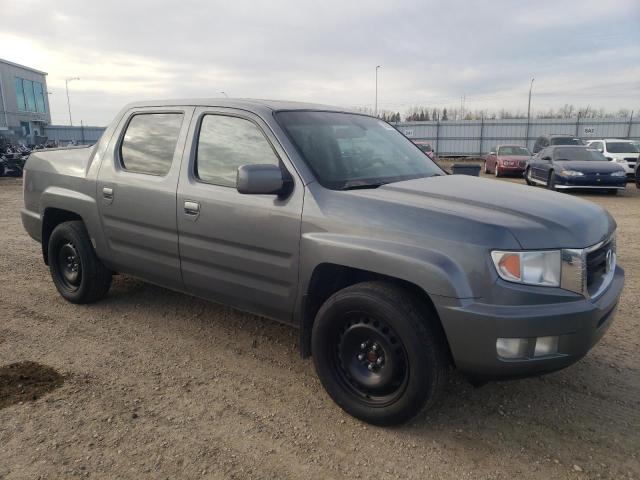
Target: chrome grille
x: 589, y: 271
x: 600, y: 263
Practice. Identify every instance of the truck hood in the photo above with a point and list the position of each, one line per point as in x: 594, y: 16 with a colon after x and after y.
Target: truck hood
x: 588, y: 166
x: 537, y: 218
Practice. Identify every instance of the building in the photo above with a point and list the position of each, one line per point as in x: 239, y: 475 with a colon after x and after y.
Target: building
x: 24, y: 103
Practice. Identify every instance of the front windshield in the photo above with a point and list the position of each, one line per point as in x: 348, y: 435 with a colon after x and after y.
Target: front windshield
x: 566, y: 141
x: 578, y: 153
x: 515, y: 151
x: 622, y: 147
x: 354, y: 151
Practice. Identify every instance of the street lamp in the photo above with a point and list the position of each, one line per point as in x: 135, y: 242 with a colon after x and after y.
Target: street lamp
x: 529, y: 113
x: 66, y: 84
x: 376, y: 105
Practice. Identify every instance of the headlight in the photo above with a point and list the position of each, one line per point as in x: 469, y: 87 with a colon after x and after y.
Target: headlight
x: 529, y: 268
x: 571, y: 173
x: 619, y: 173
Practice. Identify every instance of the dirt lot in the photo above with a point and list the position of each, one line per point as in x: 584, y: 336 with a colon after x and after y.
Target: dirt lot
x: 156, y: 384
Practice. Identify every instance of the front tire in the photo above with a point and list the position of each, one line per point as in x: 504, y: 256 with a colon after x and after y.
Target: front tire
x: 527, y: 176
x: 379, y: 352
x: 551, y: 182
x: 77, y: 272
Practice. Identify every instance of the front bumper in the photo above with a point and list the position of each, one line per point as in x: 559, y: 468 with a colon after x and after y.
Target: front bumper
x: 472, y: 329
x: 591, y: 181
x: 511, y: 169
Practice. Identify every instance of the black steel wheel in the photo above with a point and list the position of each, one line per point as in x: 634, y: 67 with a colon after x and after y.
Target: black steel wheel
x: 370, y: 359
x: 77, y: 272
x: 379, y: 352
x: 69, y: 266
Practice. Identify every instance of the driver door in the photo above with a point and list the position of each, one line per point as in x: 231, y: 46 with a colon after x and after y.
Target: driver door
x: 237, y: 249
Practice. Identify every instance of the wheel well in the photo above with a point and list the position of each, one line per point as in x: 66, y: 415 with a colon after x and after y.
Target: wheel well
x: 328, y: 278
x: 51, y: 219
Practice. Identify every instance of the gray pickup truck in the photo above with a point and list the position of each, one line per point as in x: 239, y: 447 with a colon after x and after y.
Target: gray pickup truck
x: 334, y: 222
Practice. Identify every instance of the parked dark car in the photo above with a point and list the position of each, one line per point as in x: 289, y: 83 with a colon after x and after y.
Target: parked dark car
x: 573, y: 166
x: 545, y: 141
x: 507, y: 159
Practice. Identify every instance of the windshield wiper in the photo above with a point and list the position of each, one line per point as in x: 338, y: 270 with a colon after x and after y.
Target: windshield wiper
x: 359, y: 184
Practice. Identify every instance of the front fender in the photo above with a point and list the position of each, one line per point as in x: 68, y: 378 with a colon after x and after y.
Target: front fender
x: 433, y: 271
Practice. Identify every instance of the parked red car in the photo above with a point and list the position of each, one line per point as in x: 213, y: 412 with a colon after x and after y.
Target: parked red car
x: 507, y: 159
x: 426, y: 148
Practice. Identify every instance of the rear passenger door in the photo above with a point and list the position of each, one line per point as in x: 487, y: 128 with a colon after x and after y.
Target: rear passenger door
x: 136, y: 192
x: 237, y: 249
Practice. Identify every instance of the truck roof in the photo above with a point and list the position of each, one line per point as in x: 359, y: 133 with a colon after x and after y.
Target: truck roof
x: 250, y: 104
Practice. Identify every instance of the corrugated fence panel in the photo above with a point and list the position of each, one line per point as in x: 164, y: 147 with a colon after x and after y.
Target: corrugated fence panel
x: 472, y: 137
x: 79, y: 135
x: 460, y: 137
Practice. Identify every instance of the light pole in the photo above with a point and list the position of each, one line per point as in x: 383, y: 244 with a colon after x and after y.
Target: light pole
x: 376, y: 104
x: 66, y: 84
x: 529, y: 113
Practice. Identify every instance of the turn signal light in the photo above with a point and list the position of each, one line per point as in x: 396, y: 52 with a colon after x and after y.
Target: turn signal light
x: 509, y: 265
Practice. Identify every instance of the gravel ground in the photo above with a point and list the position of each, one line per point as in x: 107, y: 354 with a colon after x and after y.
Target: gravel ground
x: 156, y: 384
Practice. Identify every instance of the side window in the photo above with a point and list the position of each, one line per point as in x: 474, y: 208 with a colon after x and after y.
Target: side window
x: 226, y: 143
x: 150, y: 142
x: 537, y: 146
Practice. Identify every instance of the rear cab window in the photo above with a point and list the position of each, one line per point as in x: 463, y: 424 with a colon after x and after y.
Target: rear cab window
x: 149, y: 142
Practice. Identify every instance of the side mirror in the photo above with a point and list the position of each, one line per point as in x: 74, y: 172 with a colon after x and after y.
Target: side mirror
x: 261, y: 179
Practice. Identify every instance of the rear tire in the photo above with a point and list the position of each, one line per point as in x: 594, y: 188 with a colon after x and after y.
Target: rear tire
x: 551, y: 182
x: 486, y: 170
x: 77, y: 272
x: 379, y: 352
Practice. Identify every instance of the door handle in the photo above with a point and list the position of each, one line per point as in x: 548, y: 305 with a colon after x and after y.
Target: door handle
x: 191, y: 208
x: 107, y: 192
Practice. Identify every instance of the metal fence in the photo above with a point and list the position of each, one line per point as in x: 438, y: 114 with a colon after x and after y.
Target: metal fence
x: 81, y: 135
x: 477, y: 137
x: 459, y: 137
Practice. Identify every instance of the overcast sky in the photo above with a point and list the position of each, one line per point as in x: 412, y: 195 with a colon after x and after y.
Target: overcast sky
x: 584, y: 52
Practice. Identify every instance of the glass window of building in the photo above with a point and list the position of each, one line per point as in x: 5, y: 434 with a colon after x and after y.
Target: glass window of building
x: 29, y: 96
x: 39, y: 93
x: 20, y: 94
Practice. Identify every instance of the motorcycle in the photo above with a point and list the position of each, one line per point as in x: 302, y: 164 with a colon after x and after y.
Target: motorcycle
x: 11, y: 167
